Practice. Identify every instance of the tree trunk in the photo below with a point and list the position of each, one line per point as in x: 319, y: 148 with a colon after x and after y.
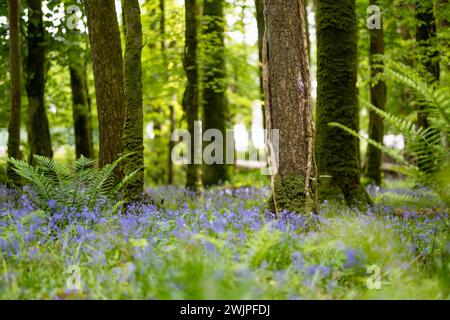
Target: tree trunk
x: 80, y: 112
x: 287, y: 88
x: 133, y: 130
x: 214, y: 83
x: 39, y: 132
x: 16, y: 104
x: 191, y: 99
x: 80, y: 103
x: 170, y: 176
x: 428, y: 55
x: 443, y: 6
x: 337, y: 151
x: 162, y: 27
x: 261, y: 29
x: 170, y: 145
x: 378, y: 99
x: 107, y: 61
x: 124, y: 25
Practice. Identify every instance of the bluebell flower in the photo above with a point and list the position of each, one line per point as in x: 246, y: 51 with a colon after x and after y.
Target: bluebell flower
x: 52, y: 203
x: 351, y: 258
x: 297, y: 261
x: 323, y: 271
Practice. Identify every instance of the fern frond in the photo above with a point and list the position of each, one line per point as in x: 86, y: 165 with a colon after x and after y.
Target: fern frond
x: 127, y: 179
x: 391, y: 152
x: 52, y: 169
x: 434, y: 98
x: 402, y: 199
x: 44, y: 186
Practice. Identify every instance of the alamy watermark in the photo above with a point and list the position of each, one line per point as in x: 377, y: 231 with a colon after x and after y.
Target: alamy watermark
x: 74, y: 17
x: 73, y: 280
x: 374, y: 280
x: 374, y: 19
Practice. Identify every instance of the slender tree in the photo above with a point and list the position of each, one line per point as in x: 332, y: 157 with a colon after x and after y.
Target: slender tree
x: 378, y: 99
x: 214, y: 82
x: 259, y: 4
x: 107, y: 61
x: 170, y: 171
x: 16, y: 103
x: 81, y: 113
x: 133, y: 138
x: 124, y: 25
x: 38, y: 131
x: 338, y: 152
x: 426, y: 33
x: 171, y: 144
x: 191, y: 98
x: 80, y: 100
x: 444, y: 6
x: 287, y: 88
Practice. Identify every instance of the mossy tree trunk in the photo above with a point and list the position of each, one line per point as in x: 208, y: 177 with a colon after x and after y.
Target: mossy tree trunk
x: 214, y: 82
x: 378, y: 92
x: 428, y: 55
x: 191, y: 98
x: 16, y: 103
x: 133, y: 138
x: 104, y: 36
x: 38, y: 130
x: 288, y: 106
x: 338, y: 152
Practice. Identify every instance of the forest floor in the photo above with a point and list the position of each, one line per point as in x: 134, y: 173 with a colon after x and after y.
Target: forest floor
x: 224, y: 246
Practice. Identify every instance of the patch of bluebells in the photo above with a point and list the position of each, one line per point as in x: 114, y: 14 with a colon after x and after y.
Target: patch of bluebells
x: 230, y: 214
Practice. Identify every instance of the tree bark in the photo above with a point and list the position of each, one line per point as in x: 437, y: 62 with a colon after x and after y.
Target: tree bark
x: 107, y: 61
x: 170, y: 145
x: 191, y: 98
x: 378, y: 99
x: 426, y: 33
x: 337, y: 151
x: 170, y: 172
x: 288, y: 106
x: 214, y: 82
x: 16, y: 103
x: 444, y: 6
x: 81, y: 113
x: 39, y: 132
x: 133, y: 130
x: 80, y: 102
x: 261, y: 29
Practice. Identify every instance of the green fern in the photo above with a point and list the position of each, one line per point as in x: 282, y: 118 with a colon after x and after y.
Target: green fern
x: 427, y: 149
x: 391, y: 152
x: 435, y: 98
x: 78, y: 185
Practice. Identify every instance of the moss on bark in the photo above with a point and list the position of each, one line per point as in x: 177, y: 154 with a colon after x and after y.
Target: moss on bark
x: 290, y: 195
x: 133, y: 139
x: 337, y: 151
x: 191, y: 97
x: 214, y: 82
